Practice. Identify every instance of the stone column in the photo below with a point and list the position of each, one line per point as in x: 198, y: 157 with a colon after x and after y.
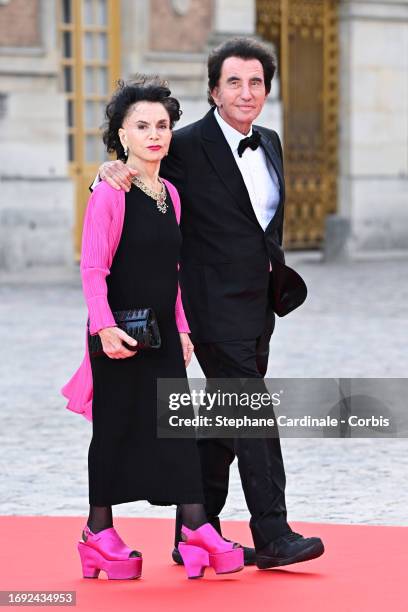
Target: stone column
x: 134, y: 28
x: 234, y: 17
x: 373, y: 119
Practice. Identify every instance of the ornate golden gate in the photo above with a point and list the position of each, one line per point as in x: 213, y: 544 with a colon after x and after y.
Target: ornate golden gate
x: 304, y: 33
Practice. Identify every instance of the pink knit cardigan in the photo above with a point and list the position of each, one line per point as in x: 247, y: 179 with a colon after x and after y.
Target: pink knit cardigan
x: 102, y: 230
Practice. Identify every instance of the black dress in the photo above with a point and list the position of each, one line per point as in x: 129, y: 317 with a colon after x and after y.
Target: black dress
x: 126, y: 460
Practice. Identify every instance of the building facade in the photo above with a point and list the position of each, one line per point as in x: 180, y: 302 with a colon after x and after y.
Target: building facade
x: 339, y: 102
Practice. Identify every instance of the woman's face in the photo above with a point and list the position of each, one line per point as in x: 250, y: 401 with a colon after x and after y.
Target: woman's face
x: 146, y: 131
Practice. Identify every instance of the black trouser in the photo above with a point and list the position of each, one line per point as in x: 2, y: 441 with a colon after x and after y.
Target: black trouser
x: 260, y: 460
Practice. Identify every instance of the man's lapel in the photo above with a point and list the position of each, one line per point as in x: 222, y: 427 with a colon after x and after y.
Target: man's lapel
x: 221, y: 158
x: 274, y: 158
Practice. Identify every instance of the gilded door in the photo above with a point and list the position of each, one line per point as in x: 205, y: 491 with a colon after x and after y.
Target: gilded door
x: 90, y: 64
x: 306, y: 41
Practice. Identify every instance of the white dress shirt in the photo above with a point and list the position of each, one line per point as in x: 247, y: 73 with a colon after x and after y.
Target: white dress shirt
x: 258, y: 173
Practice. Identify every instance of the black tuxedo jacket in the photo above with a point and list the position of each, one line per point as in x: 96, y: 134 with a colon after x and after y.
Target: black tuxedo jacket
x: 224, y: 269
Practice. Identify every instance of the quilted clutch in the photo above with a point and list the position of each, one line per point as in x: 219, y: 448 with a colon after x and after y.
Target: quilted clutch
x: 139, y: 323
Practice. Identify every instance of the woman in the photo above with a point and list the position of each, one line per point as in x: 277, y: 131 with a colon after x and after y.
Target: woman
x: 130, y: 251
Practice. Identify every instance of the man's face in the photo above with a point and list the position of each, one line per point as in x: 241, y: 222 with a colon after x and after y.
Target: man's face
x: 240, y: 93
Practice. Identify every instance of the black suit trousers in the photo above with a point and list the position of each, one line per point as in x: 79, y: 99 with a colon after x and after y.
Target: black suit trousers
x: 260, y: 460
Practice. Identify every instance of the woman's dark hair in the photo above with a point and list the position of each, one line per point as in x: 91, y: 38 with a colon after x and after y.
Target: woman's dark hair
x: 245, y: 48
x: 143, y: 88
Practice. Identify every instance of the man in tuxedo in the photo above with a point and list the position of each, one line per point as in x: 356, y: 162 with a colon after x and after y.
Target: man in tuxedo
x: 233, y: 276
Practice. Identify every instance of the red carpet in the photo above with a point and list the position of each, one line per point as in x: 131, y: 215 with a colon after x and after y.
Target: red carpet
x: 364, y: 569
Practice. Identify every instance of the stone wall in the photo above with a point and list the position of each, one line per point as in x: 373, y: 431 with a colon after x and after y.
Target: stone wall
x: 180, y: 26
x: 36, y: 194
x: 20, y: 23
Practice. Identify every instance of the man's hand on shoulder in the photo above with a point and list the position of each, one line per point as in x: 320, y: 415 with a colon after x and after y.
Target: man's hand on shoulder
x: 117, y: 174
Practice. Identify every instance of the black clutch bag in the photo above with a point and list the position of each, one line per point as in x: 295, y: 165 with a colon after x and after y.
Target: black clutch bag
x: 140, y: 323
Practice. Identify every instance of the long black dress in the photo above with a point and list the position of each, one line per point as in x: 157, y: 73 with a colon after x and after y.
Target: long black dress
x: 126, y: 460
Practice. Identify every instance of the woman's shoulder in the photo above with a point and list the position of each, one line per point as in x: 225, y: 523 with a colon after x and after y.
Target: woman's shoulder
x: 104, y: 189
x: 106, y: 196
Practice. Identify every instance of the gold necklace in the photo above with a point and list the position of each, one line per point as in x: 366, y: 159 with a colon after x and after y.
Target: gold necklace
x: 160, y: 198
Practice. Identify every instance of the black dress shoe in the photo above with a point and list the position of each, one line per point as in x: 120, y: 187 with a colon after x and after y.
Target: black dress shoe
x: 249, y: 555
x: 287, y: 549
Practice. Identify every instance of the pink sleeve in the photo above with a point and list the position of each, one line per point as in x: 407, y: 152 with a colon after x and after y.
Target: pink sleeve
x: 95, y: 260
x: 181, y: 320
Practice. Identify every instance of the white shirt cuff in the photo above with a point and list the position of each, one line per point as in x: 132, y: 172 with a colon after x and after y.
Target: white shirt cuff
x: 97, y: 180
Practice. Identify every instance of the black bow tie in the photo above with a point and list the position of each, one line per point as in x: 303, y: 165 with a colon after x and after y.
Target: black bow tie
x: 252, y: 141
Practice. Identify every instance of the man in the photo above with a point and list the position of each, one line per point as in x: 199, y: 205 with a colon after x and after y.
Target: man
x: 233, y: 276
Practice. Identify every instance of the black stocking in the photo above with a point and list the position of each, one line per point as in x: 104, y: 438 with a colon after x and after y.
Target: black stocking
x: 100, y: 517
x: 193, y: 515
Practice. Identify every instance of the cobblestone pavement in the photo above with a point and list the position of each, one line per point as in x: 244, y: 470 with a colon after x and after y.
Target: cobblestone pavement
x: 354, y: 324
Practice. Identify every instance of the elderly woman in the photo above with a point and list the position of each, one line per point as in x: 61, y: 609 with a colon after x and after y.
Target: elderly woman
x: 130, y: 251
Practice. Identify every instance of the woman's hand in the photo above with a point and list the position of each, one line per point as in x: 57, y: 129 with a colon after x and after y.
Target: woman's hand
x: 117, y: 174
x: 187, y: 346
x: 112, y: 338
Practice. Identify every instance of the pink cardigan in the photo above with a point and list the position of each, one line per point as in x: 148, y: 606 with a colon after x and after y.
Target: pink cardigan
x: 102, y: 230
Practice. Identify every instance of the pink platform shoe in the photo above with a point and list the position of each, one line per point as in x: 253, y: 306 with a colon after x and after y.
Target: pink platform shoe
x: 107, y: 551
x: 204, y: 547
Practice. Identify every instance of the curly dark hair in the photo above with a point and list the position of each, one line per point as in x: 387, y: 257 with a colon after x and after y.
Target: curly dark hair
x: 245, y: 48
x: 142, y: 88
